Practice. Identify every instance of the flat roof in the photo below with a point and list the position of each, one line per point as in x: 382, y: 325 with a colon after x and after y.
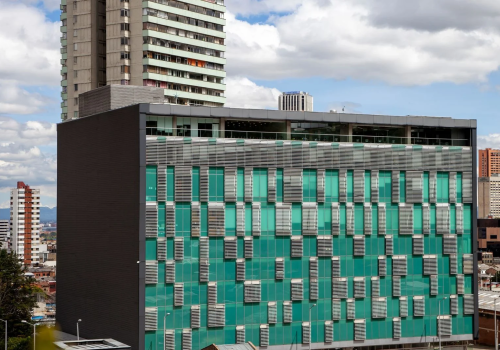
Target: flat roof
x: 94, y: 344
x: 487, y: 300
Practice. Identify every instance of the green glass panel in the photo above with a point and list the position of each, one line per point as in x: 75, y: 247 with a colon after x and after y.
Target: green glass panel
x: 248, y: 219
x: 216, y: 184
x: 196, y: 184
x: 240, y: 185
x: 309, y: 185
x: 385, y: 180
x: 468, y: 219
x: 204, y: 220
x: 260, y: 185
x: 417, y: 219
x: 170, y: 182
x: 296, y: 219
x: 161, y: 219
x: 324, y: 218
x: 230, y: 217
x: 332, y: 186
x: 183, y: 220
x: 368, y: 188
x: 358, y: 219
x: 350, y: 186
x: 453, y: 218
x: 151, y: 181
x: 150, y: 249
x: 443, y: 187
x: 279, y: 185
x: 426, y: 187
x: 402, y: 187
x: 459, y: 187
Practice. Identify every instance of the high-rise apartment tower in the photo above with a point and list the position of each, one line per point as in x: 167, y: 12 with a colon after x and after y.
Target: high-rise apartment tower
x: 177, y: 45
x: 489, y: 162
x: 4, y: 234
x: 295, y: 101
x: 25, y: 223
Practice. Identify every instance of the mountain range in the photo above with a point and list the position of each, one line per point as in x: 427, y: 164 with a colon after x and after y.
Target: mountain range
x: 46, y: 214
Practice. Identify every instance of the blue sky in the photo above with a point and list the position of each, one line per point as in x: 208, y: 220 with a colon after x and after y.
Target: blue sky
x: 402, y: 58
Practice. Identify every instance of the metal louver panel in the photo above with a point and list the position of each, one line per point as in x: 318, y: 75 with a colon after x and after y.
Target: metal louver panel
x: 306, y: 332
x: 454, y: 304
x: 418, y: 245
x: 342, y: 185
x: 396, y: 286
x: 403, y: 307
x: 453, y: 264
x: 434, y: 285
x: 183, y: 183
x: 381, y: 219
x: 396, y: 328
x: 321, y: 185
x: 433, y: 186
x: 169, y: 339
x: 324, y: 246
x: 179, y: 248
x: 264, y: 335
x: 230, y: 248
x: 359, y: 186
x: 382, y: 266
x: 272, y: 312
x: 309, y: 218
x: 336, y: 309
x: 399, y: 266
x: 152, y: 145
x: 240, y: 334
x: 349, y: 224
x: 287, y: 312
x: 351, y: 309
x: 379, y: 307
x: 151, y: 220
x: 204, y: 247
x: 256, y: 219
x: 395, y: 186
x: 240, y: 219
x: 374, y: 186
x: 405, y: 219
x: 469, y: 304
x: 187, y: 339
x: 204, y: 270
x: 430, y: 265
x: 419, y: 306
x: 151, y: 316
x: 248, y: 185
x: 389, y: 245
x: 252, y: 291
x: 271, y: 185
x: 444, y: 326
x: 216, y: 316
x: 178, y: 294
x: 460, y: 284
x: 240, y: 270
x: 204, y: 184
x: 170, y: 271
x: 313, y: 267
x: 359, y: 287
x: 339, y: 288
x: 170, y: 219
x: 449, y: 244
x: 195, y: 219
x: 328, y: 332
x: 359, y: 330
x: 195, y: 316
x: 468, y: 264
x: 230, y: 176
x: 151, y: 272
x: 368, y: 218
x: 414, y: 187
x: 216, y: 219
x: 375, y: 286
x: 336, y: 266
x: 467, y: 187
x: 212, y: 293
x: 313, y: 289
x: 459, y: 219
x: 161, y: 187
x: 442, y: 218
x: 283, y: 219
x: 426, y: 218
x: 161, y: 249
x: 453, y: 186
x: 280, y: 269
x: 359, y: 245
x: 296, y: 243
x: 335, y: 219
x: 297, y: 289
x: 248, y: 245
x: 292, y: 183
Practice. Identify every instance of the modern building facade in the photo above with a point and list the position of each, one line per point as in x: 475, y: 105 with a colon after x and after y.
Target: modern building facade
x: 489, y: 196
x: 298, y: 101
x: 25, y: 223
x: 4, y: 234
x: 175, y: 45
x: 225, y: 232
x: 489, y: 162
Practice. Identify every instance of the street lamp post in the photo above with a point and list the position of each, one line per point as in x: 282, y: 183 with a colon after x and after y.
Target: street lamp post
x: 310, y: 326
x: 496, y: 329
x: 439, y: 321
x: 165, y: 330
x: 5, y: 333
x: 34, y: 332
x: 78, y: 329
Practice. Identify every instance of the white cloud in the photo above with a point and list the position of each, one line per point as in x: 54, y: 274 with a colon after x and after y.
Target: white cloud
x: 488, y: 141
x: 244, y: 93
x: 256, y: 7
x: 15, y: 100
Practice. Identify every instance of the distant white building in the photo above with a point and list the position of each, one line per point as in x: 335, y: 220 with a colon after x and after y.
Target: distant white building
x: 298, y: 101
x: 4, y: 234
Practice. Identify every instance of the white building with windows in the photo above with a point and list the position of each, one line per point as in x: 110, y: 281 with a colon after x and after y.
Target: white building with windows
x: 298, y: 101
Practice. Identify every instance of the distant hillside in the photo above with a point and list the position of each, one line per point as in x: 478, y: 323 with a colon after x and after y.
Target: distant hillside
x: 46, y: 214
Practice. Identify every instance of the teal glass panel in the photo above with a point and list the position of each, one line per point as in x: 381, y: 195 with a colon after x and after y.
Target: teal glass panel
x: 196, y: 184
x: 296, y: 219
x: 385, y: 180
x: 402, y: 187
x: 343, y: 219
x: 332, y: 186
x: 279, y: 185
x: 170, y: 180
x: 417, y: 219
x: 248, y: 219
x: 230, y: 217
x: 426, y: 187
x: 467, y: 219
x: 161, y: 219
x: 368, y: 188
x: 392, y: 219
x: 260, y: 185
x: 324, y: 219
x: 350, y: 186
x: 375, y: 221
x: 433, y: 218
x: 443, y: 187
x: 459, y: 187
x: 150, y: 249
x: 268, y: 220
x: 309, y: 185
x: 359, y: 219
x: 151, y: 181
x: 216, y: 184
x: 183, y: 220
x: 240, y: 185
x: 204, y: 220
x: 453, y: 218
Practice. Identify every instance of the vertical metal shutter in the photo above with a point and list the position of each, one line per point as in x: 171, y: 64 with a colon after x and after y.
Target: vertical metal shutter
x: 403, y: 307
x: 296, y: 246
x: 170, y: 271
x: 454, y: 304
x: 342, y: 185
x: 240, y: 334
x: 195, y: 316
x: 170, y: 219
x: 419, y: 306
x: 306, y: 333
x: 359, y: 186
x: 324, y: 246
x: 287, y: 312
x: 212, y: 293
x: 178, y: 294
x: 283, y: 219
x: 418, y: 245
x: 374, y: 186
x: 252, y: 291
x: 399, y: 266
x: 183, y: 183
x: 381, y: 219
x: 169, y: 339
x: 240, y: 270
x: 280, y: 268
x: 382, y: 266
x: 335, y: 219
x: 460, y: 284
x: 444, y: 326
x: 359, y: 287
x: 433, y: 186
x: 453, y: 186
x: 359, y: 245
x: 351, y: 309
x: 426, y: 218
x: 204, y: 184
x: 359, y: 330
x: 161, y: 186
x: 339, y: 288
x: 321, y: 185
x: 151, y: 272
x: 449, y: 244
x: 216, y: 219
x: 430, y: 265
x: 313, y: 267
x: 395, y: 186
x: 414, y: 187
x: 271, y: 185
x: 434, y: 285
x: 309, y: 218
x: 272, y: 312
x: 328, y: 332
x: 459, y: 219
x: 151, y: 316
x: 264, y: 335
x: 389, y: 245
x: 179, y: 248
x: 204, y: 247
x: 230, y: 176
x: 297, y: 289
x: 469, y: 304
x: 151, y: 220
x: 161, y: 249
x: 230, y: 248
x: 248, y: 245
x: 256, y: 219
x: 468, y: 264
x: 204, y: 270
x: 405, y: 219
x: 396, y: 286
x: 453, y: 264
x: 467, y: 187
x: 375, y: 286
x: 368, y: 218
x: 336, y: 309
x: 396, y: 328
x: 216, y: 316
x: 379, y: 307
x: 335, y: 266
x: 248, y: 185
x: 313, y: 289
x: 442, y: 218
x: 240, y: 219
x: 292, y: 183
x: 195, y: 219
x: 349, y: 219
x: 187, y: 339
